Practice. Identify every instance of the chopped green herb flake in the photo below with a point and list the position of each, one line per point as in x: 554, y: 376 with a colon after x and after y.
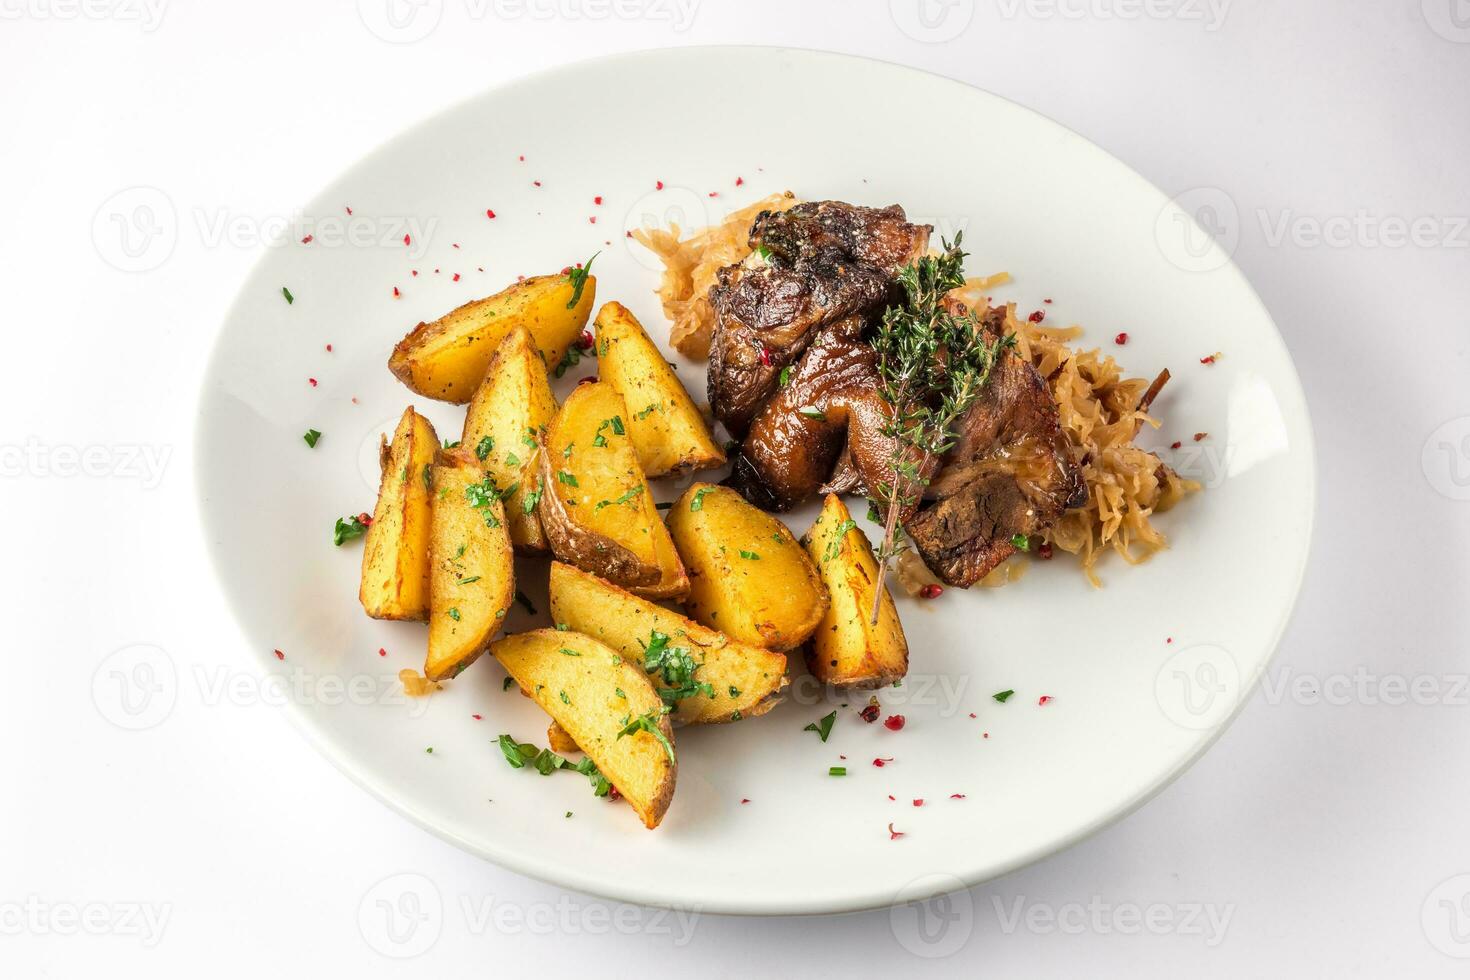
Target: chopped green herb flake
x: 484, y: 448
x: 347, y: 528
x: 823, y: 726
x: 311, y: 437
x: 1003, y: 696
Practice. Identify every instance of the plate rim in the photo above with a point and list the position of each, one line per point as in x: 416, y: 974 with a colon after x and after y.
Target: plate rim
x: 757, y: 905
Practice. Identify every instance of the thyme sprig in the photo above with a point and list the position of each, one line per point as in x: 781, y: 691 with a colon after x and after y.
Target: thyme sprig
x: 932, y: 365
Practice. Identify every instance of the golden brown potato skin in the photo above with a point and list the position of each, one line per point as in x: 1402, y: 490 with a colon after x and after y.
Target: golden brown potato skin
x: 395, y: 554
x: 667, y: 429
x: 597, y: 509
x: 503, y: 425
x: 847, y: 649
x: 747, y: 680
x: 471, y: 575
x: 447, y: 359
x: 559, y: 741
x: 748, y: 576
x: 588, y: 690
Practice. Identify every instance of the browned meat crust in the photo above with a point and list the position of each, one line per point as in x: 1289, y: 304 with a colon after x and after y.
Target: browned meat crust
x: 825, y: 261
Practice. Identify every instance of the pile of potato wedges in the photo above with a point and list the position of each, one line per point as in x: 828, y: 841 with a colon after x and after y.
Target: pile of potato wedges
x: 653, y: 623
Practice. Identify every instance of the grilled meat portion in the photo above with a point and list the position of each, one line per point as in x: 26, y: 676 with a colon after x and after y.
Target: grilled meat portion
x: 821, y: 275
x: 823, y: 262
x: 1009, y: 473
x: 829, y: 416
x: 881, y: 237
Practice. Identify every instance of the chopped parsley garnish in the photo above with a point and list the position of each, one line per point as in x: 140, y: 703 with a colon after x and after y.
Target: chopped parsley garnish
x: 648, y: 722
x: 569, y: 652
x: 617, y: 425
x: 749, y: 555
x: 546, y: 762
x: 837, y: 771
x: 647, y: 411
x: 482, y: 495
x: 567, y: 478
x: 564, y: 698
x: 834, y: 547
x: 454, y: 613
x: 873, y: 514
x: 530, y: 499
x: 627, y: 497
x: 1020, y: 542
x: 529, y: 439
x: 451, y: 445
x: 823, y: 726
x: 311, y: 437
x: 599, y: 441
x: 484, y: 448
x: 734, y: 691
x: 428, y: 476
x: 698, y: 502
x: 348, y: 528
x: 1003, y: 696
x: 287, y: 293
x: 677, y: 667
x: 511, y: 459
x: 578, y: 278
x: 785, y: 377
x: 467, y: 581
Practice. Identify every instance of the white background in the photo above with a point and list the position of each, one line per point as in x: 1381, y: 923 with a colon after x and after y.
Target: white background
x: 1327, y: 826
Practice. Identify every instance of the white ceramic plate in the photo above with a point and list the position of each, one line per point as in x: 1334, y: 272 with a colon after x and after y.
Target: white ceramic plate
x: 1130, y: 709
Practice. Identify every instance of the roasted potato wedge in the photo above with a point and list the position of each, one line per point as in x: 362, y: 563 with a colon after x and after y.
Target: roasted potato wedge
x: 748, y: 577
x: 504, y: 421
x: 848, y: 650
x: 395, y: 554
x: 596, y: 507
x: 471, y: 577
x: 746, y: 679
x: 559, y: 741
x: 594, y: 694
x: 667, y: 430
x: 447, y: 359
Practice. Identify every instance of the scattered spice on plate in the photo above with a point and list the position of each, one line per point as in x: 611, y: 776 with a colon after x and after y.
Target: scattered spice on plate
x: 306, y: 240
x: 1044, y: 699
x: 382, y: 652
x: 869, y: 713
x: 893, y: 722
x: 1200, y: 436
x: 490, y: 213
x: 894, y: 834
x: 931, y: 591
x: 1121, y: 339
x: 919, y: 801
x: 280, y: 655
x: 957, y: 796
x: 659, y: 186
x: 1210, y: 358
x: 880, y: 763
x: 406, y: 239
x: 1037, y: 316
x: 1044, y: 551
x: 311, y: 381
x: 1176, y: 445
